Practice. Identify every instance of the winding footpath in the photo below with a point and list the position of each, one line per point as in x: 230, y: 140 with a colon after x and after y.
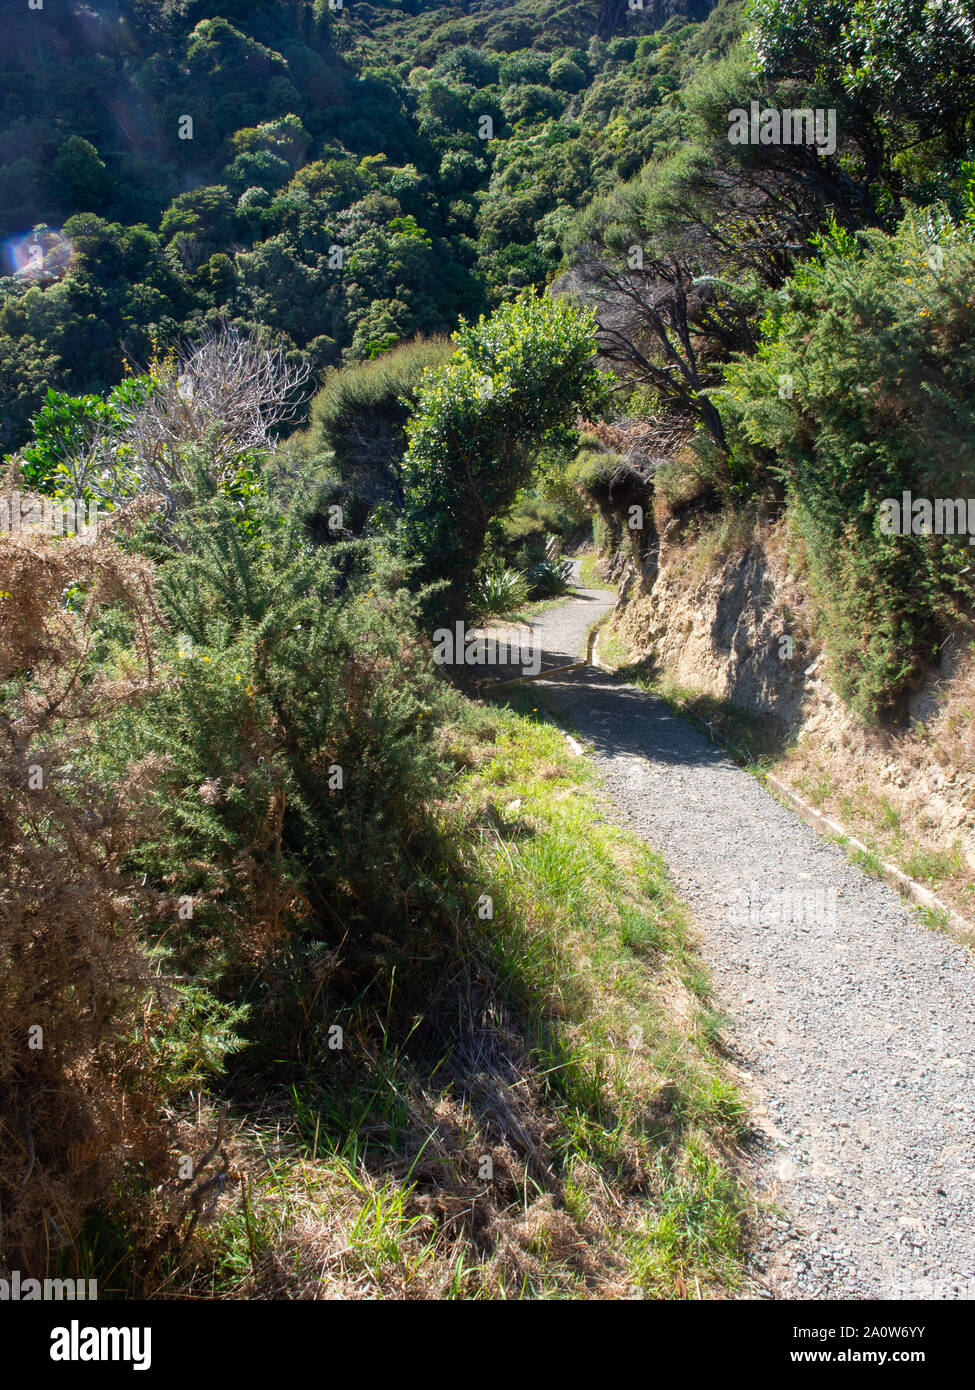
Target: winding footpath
x: 850, y: 1023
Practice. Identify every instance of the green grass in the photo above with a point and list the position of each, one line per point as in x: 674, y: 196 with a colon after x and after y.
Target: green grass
x: 936, y: 919
x: 589, y: 935
x: 933, y: 865
x: 588, y: 577
x: 362, y: 1181
x: 867, y: 859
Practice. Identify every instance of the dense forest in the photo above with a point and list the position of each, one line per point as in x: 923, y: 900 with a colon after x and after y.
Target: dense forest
x: 341, y: 311
x: 348, y: 178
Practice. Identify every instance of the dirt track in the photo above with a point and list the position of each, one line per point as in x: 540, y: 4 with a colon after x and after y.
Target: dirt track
x: 851, y: 1023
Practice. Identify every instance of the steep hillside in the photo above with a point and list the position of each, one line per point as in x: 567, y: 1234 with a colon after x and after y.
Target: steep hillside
x: 346, y: 177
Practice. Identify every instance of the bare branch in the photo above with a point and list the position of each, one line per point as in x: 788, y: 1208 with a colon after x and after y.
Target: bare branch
x: 229, y: 393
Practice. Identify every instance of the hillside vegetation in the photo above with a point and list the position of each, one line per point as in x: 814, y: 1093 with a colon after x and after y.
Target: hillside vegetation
x: 323, y: 973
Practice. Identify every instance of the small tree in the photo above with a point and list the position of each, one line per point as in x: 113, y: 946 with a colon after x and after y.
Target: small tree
x: 511, y: 391
x: 907, y: 65
x: 230, y: 392
x: 79, y: 175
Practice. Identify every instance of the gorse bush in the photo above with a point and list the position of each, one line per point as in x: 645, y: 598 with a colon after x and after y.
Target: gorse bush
x: 862, y: 390
x: 297, y: 735
x: 219, y: 776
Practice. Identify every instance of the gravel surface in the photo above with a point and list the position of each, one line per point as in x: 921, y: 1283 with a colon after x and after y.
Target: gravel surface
x: 851, y: 1024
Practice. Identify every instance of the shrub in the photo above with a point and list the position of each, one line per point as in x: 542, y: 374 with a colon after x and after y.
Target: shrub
x: 497, y: 592
x: 511, y: 392
x: 549, y: 578
x: 358, y: 427
x: 566, y: 76
x: 863, y: 390
x: 77, y: 443
x: 96, y: 1040
x: 531, y: 103
x: 300, y: 765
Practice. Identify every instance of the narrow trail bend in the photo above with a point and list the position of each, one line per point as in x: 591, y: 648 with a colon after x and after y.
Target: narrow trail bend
x: 854, y: 1030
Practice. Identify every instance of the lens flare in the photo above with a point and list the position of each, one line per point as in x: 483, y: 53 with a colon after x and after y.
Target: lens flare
x: 39, y: 255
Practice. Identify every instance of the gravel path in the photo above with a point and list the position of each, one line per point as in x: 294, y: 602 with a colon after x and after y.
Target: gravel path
x: 850, y: 1022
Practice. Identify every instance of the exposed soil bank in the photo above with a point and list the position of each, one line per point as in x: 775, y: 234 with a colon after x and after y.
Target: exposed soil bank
x: 739, y: 629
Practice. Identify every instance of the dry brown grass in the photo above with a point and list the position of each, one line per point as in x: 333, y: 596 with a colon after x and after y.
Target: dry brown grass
x: 303, y: 1225
x: 909, y: 793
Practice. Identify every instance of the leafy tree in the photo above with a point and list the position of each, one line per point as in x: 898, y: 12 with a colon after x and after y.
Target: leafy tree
x: 469, y: 65
x: 257, y: 169
x: 566, y: 76
x: 79, y: 176
x: 239, y: 79
x: 284, y: 137
x: 511, y: 391
x: 910, y: 62
x: 527, y: 102
x: 523, y: 67
x: 460, y: 170
x: 199, y: 222
x: 332, y: 183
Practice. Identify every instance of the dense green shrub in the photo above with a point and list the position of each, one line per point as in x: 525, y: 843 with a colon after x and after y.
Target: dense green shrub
x: 67, y: 428
x: 862, y: 390
x: 357, y: 429
x: 297, y: 732
x: 511, y: 391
